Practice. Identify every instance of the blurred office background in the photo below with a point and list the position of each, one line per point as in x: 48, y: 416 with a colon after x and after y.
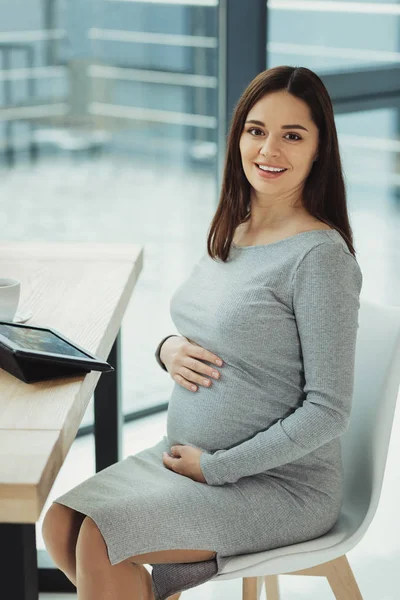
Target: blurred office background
x: 113, y: 118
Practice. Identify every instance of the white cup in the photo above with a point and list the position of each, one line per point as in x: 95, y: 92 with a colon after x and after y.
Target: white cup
x: 10, y: 290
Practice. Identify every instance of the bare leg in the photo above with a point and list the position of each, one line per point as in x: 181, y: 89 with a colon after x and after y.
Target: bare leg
x: 60, y: 531
x: 124, y: 581
x: 132, y: 582
x: 98, y: 579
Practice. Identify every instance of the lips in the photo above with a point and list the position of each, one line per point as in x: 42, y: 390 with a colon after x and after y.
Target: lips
x: 273, y: 166
x: 269, y: 175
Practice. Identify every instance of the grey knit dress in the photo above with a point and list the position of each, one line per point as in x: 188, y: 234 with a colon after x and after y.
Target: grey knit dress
x: 284, y: 317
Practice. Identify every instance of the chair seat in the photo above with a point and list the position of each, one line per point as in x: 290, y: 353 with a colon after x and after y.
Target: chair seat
x: 343, y: 536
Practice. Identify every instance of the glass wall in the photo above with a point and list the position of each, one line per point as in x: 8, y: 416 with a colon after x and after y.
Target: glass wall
x: 108, y: 129
x: 156, y: 65
x: 333, y: 36
x: 370, y: 150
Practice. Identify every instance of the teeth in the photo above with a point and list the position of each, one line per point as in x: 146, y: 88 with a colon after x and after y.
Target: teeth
x: 273, y: 169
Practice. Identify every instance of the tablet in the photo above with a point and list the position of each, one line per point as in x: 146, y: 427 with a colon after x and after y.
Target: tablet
x: 48, y: 345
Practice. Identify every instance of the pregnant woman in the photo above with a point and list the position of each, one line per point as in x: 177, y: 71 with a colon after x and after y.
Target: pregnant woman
x: 251, y: 459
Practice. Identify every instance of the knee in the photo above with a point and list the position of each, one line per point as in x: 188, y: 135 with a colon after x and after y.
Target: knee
x: 60, y: 528
x: 91, y: 549
x: 52, y: 523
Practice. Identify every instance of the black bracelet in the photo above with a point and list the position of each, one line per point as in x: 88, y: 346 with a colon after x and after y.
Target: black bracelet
x: 158, y: 351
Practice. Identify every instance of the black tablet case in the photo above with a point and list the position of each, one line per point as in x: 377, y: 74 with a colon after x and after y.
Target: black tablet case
x: 31, y: 370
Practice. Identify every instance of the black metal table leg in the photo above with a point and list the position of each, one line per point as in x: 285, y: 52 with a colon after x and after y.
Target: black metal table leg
x: 18, y: 562
x: 108, y: 416
x: 108, y: 421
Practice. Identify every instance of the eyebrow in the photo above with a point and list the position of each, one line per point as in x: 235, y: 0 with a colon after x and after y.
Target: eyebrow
x: 283, y: 126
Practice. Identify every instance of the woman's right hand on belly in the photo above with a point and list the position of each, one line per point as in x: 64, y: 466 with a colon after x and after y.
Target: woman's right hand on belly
x: 183, y: 361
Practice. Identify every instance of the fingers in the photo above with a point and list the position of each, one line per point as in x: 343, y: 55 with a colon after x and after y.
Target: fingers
x: 204, y: 354
x: 190, y: 366
x: 175, y: 453
x: 170, y: 462
x: 194, y: 370
x: 177, y: 450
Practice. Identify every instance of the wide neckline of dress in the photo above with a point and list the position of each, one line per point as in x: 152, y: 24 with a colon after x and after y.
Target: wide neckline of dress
x: 283, y: 240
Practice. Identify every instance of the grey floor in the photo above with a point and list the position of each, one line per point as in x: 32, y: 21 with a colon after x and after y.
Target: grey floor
x: 168, y: 211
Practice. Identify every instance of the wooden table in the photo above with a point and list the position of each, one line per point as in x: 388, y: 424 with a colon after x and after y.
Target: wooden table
x: 81, y: 290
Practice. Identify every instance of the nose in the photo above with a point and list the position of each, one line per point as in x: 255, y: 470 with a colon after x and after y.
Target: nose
x: 270, y: 147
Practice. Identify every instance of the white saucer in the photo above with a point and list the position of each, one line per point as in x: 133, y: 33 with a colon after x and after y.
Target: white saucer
x: 22, y: 316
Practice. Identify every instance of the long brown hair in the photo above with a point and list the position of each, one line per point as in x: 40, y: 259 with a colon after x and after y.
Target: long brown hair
x: 324, y: 193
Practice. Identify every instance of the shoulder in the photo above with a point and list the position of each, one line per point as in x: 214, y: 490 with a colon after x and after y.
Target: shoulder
x: 327, y: 262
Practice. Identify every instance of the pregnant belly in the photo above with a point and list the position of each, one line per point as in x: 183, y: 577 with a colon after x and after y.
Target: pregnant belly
x: 219, y: 417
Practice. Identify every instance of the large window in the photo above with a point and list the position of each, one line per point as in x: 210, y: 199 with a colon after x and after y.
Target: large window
x: 108, y: 133
x: 335, y: 35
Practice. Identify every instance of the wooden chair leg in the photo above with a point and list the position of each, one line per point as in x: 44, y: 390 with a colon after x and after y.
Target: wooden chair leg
x: 339, y: 575
x: 342, y: 580
x: 271, y: 587
x: 252, y: 587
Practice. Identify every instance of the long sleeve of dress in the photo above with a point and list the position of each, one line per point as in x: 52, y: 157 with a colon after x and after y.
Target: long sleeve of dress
x: 326, y: 288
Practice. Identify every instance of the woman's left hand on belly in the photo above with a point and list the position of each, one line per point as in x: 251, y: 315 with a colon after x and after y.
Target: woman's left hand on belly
x: 185, y: 461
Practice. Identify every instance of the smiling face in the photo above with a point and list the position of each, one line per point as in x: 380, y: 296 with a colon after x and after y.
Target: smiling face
x: 278, y: 132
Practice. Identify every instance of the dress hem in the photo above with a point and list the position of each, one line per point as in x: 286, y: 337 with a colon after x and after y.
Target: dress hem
x: 113, y: 557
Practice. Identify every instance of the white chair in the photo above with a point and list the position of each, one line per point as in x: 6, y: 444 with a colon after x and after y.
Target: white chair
x: 365, y: 447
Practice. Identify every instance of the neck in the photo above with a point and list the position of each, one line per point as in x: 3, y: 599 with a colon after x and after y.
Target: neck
x: 270, y: 218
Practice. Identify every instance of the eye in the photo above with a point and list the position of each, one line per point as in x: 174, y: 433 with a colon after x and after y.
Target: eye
x: 253, y: 129
x: 295, y: 134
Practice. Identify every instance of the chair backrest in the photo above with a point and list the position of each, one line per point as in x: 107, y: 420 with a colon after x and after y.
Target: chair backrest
x: 376, y: 385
